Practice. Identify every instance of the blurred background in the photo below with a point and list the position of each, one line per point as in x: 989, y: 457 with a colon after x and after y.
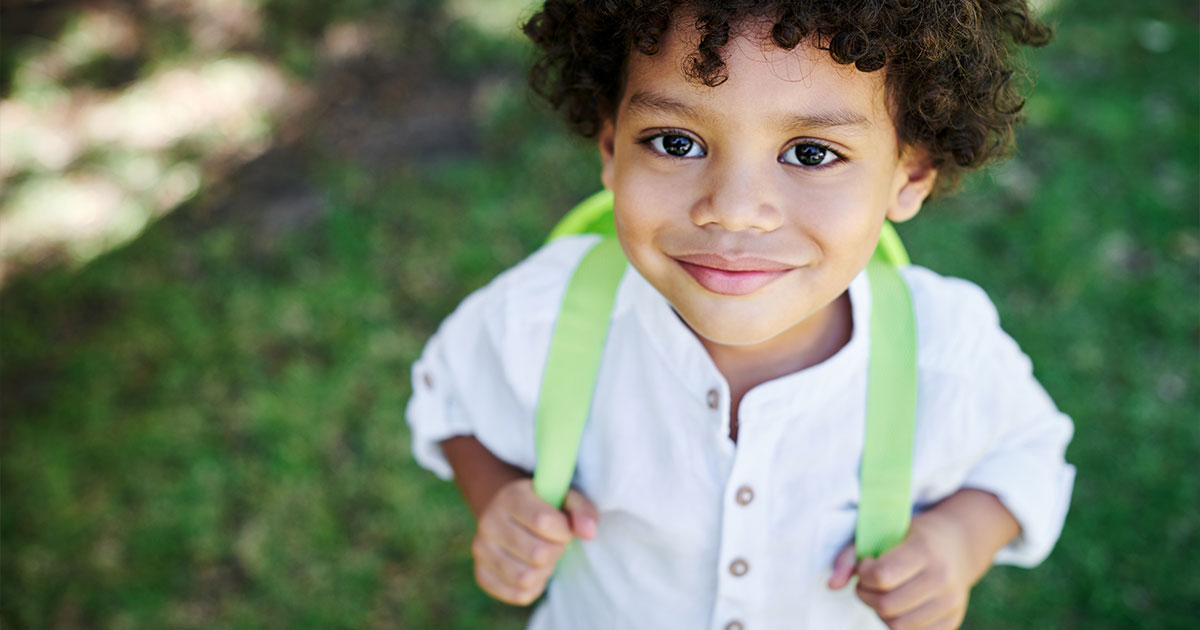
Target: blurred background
x: 228, y: 226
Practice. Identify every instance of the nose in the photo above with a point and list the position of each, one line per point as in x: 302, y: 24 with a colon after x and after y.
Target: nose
x: 740, y: 196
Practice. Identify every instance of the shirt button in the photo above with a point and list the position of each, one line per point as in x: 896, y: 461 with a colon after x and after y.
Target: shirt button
x: 735, y: 625
x: 714, y: 399
x: 745, y: 495
x: 738, y: 567
x: 427, y: 380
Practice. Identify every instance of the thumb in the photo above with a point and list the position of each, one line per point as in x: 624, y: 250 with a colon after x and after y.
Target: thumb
x: 582, y: 514
x: 844, y: 565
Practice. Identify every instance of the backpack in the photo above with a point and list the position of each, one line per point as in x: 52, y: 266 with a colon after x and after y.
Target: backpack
x: 577, y: 346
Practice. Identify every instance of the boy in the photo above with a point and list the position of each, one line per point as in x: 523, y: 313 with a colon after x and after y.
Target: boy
x: 753, y: 154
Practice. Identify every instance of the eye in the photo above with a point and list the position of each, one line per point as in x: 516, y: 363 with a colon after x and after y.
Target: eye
x: 675, y: 145
x: 809, y: 154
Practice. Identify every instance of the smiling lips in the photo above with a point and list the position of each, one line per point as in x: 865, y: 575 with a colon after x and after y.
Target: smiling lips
x: 732, y: 276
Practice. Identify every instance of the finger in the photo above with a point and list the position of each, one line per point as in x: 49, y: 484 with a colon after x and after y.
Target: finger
x: 497, y: 587
x: 582, y: 515
x: 952, y: 621
x: 843, y: 567
x: 524, y: 545
x: 511, y: 570
x: 938, y: 612
x: 904, y: 598
x: 539, y: 517
x: 891, y: 569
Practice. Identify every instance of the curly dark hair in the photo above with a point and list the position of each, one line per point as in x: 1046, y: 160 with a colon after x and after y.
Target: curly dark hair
x: 949, y: 64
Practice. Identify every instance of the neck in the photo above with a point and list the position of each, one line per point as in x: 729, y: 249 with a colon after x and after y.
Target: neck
x: 806, y: 344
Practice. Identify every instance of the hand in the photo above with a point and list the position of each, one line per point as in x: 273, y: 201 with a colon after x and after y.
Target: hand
x: 520, y: 538
x: 924, y: 581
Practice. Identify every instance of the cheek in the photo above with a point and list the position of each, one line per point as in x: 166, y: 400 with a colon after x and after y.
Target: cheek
x: 645, y: 205
x: 635, y: 230
x: 831, y: 209
x: 843, y: 218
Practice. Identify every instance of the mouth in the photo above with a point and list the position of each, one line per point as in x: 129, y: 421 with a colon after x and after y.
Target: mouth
x: 732, y: 276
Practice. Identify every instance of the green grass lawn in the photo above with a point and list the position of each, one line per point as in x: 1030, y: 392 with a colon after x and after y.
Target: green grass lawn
x: 205, y: 428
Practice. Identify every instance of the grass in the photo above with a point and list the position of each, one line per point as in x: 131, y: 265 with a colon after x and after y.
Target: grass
x: 205, y: 428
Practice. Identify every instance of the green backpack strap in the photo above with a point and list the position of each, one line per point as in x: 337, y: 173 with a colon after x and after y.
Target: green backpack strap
x: 592, y: 216
x: 885, y: 504
x: 571, y: 367
x: 577, y: 346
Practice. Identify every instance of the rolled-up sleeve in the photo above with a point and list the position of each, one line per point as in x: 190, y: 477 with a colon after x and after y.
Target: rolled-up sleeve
x: 991, y: 425
x: 1026, y: 468
x: 433, y: 413
x: 1025, y: 465
x: 480, y: 373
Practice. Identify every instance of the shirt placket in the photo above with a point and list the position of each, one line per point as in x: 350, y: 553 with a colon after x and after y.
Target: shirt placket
x: 741, y: 562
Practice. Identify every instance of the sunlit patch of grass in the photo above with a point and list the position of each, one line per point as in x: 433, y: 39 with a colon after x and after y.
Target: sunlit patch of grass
x: 184, y: 92
x: 88, y: 162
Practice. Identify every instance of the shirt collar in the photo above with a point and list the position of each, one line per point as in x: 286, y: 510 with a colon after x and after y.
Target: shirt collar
x: 686, y: 356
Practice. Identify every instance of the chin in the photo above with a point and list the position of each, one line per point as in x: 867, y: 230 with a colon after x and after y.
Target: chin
x: 732, y: 333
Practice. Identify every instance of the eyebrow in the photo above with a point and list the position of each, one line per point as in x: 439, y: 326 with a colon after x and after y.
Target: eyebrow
x: 829, y: 119
x: 834, y: 118
x: 656, y: 103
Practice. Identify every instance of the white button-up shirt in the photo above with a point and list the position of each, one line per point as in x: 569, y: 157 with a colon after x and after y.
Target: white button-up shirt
x: 696, y: 531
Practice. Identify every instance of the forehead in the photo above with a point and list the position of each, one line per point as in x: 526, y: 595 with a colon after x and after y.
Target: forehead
x: 761, y: 78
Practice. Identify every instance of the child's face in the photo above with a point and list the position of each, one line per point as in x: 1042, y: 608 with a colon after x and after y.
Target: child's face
x: 752, y: 205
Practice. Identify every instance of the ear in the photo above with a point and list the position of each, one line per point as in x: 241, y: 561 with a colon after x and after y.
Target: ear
x: 914, y: 181
x: 606, y: 140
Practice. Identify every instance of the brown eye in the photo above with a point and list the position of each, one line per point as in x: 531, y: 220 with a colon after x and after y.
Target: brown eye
x: 676, y: 145
x: 809, y: 155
